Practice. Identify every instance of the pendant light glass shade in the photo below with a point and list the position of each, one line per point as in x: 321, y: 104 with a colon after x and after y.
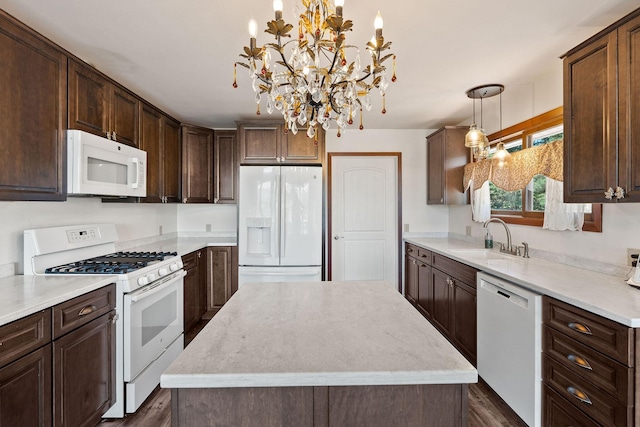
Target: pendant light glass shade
x: 475, y: 137
x: 501, y: 157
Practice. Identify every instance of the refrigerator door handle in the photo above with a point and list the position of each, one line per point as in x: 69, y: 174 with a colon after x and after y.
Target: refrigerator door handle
x: 294, y: 273
x: 283, y: 204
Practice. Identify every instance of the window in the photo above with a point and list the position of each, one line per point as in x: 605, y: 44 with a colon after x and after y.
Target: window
x: 526, y: 206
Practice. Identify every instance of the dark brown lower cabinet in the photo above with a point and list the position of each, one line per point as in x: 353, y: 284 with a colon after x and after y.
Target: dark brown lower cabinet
x: 195, y: 287
x: 84, y: 373
x: 428, y: 405
x: 222, y: 276
x: 444, y: 292
x: 25, y: 390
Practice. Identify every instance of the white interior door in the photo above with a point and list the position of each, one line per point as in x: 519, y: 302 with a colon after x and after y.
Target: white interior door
x: 364, y: 218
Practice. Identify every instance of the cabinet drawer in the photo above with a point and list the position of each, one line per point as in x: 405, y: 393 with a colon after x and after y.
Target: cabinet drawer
x: 24, y: 335
x: 607, y: 374
x: 418, y: 253
x: 608, y: 337
x: 560, y: 413
x: 597, y: 404
x: 76, y: 312
x: 190, y: 260
x: 454, y: 268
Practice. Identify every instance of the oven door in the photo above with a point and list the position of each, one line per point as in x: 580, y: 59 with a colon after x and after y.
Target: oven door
x: 153, y: 319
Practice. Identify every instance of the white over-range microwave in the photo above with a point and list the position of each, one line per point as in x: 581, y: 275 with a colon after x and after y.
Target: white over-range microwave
x: 102, y: 167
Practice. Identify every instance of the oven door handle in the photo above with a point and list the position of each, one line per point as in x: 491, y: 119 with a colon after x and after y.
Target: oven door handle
x: 156, y: 287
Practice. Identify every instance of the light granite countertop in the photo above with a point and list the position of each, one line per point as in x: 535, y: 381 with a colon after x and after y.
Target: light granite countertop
x: 317, y: 334
x: 25, y: 295
x: 603, y: 294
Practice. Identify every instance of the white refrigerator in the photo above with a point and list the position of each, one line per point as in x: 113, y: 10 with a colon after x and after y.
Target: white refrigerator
x: 280, y: 224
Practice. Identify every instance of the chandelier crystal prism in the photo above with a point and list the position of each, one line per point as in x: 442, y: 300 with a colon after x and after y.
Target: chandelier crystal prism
x: 308, y: 78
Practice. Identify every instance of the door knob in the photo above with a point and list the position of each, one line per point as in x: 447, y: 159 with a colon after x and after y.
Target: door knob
x: 337, y: 237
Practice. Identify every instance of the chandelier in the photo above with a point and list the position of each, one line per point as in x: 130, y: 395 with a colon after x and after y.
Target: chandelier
x: 308, y: 78
x: 476, y: 138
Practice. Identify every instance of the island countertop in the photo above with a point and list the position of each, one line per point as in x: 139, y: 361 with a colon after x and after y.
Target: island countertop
x: 317, y: 334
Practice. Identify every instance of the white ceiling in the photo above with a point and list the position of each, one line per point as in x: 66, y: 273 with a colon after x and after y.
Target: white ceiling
x: 179, y: 54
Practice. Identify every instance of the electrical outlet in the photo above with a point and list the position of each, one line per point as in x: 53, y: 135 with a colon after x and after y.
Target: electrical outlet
x: 406, y: 228
x: 160, y: 230
x: 468, y: 230
x: 631, y: 251
x: 208, y: 228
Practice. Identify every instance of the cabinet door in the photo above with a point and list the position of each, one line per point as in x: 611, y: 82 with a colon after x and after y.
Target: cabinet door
x: 34, y: 115
x: 191, y: 294
x: 202, y: 283
x: 219, y: 266
x: 411, y: 279
x: 25, y: 390
x: 225, y: 169
x: 124, y: 116
x: 590, y: 123
x: 88, y: 104
x: 299, y: 148
x: 171, y: 160
x: 84, y: 373
x: 425, y: 289
x: 259, y: 143
x: 629, y: 109
x: 464, y: 327
x: 150, y: 141
x: 197, y: 165
x: 435, y: 169
x: 442, y: 290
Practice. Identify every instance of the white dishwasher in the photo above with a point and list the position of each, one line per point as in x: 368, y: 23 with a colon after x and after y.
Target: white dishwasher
x: 509, y: 344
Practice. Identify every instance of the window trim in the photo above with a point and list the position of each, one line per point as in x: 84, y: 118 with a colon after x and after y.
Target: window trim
x: 522, y: 130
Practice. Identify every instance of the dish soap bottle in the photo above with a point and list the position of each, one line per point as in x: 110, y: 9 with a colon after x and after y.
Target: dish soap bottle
x: 488, y: 240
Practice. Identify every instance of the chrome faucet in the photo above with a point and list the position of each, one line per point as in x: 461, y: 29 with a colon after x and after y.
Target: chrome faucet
x: 508, y: 249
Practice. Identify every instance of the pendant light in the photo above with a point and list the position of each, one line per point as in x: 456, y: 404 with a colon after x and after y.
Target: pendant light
x: 501, y: 157
x: 476, y: 138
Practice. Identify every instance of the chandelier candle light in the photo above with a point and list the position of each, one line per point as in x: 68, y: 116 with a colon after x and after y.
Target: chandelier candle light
x: 311, y: 82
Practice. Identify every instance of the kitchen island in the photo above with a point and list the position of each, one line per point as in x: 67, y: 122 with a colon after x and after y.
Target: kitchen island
x: 319, y: 354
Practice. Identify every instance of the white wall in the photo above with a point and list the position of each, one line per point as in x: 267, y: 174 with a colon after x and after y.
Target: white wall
x: 621, y: 222
x: 133, y: 221
x: 412, y: 144
x: 196, y: 217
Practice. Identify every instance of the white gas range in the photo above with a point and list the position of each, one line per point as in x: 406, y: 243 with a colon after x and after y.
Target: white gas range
x: 149, y: 300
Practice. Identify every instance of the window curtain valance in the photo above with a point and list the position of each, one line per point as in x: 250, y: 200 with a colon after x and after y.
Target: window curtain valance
x: 523, y: 166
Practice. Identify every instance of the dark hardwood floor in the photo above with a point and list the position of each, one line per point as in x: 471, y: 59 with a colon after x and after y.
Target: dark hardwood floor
x: 486, y: 408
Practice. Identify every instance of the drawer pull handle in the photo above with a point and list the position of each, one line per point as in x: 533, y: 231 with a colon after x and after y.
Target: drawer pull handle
x: 423, y: 256
x: 579, y: 327
x: 409, y: 250
x: 579, y: 394
x: 579, y: 361
x: 87, y: 310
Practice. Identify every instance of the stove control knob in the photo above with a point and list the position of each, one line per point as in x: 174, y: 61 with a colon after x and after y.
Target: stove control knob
x: 142, y: 281
x: 151, y: 277
x: 174, y: 266
x: 163, y: 272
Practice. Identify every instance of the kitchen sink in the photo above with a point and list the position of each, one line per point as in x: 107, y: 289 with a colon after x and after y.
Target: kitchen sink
x: 484, y: 254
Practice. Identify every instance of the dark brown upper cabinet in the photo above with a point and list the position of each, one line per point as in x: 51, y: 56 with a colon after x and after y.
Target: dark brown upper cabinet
x: 225, y: 166
x: 446, y: 157
x: 34, y: 115
x: 602, y: 116
x: 268, y: 143
x: 160, y: 138
x: 101, y: 107
x: 197, y: 165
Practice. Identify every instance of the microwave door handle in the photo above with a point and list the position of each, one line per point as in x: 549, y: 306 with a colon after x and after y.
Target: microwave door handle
x: 136, y: 162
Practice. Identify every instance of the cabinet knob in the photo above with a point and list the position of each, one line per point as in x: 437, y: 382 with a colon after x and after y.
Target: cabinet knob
x: 619, y: 193
x: 449, y: 281
x: 113, y: 135
x: 108, y: 135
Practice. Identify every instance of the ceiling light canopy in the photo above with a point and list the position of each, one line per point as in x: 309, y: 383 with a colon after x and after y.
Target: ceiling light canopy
x: 309, y: 79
